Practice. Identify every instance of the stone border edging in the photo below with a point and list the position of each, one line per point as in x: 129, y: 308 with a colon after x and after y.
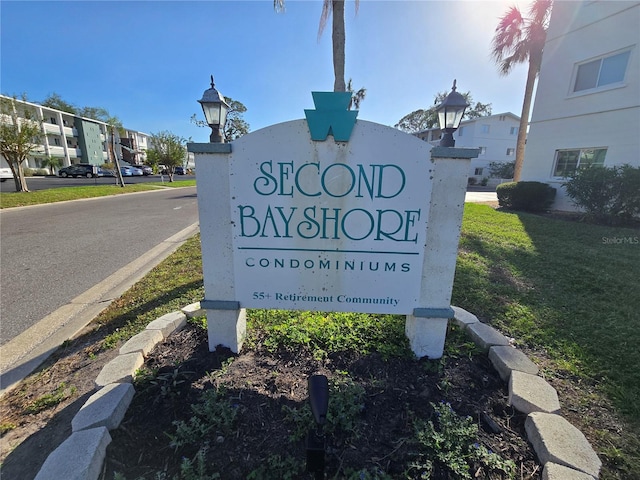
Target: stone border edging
x: 562, y: 449
x: 82, y: 455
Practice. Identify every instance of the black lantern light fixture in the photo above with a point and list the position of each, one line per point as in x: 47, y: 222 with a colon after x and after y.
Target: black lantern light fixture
x: 450, y: 112
x: 215, y: 110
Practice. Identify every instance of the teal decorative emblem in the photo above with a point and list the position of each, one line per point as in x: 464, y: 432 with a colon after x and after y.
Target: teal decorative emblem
x: 331, y: 116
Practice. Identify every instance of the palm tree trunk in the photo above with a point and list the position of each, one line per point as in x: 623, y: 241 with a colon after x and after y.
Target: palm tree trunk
x: 338, y: 38
x: 532, y: 73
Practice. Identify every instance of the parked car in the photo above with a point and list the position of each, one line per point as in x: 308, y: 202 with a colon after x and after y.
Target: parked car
x: 180, y: 171
x: 146, y: 169
x: 5, y: 174
x: 126, y: 171
x: 103, y: 172
x: 136, y: 172
x: 79, y: 170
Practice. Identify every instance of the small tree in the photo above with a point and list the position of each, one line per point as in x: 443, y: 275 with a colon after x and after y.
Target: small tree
x: 55, y: 101
x: 502, y: 169
x: 19, y: 137
x: 167, y: 149
x: 52, y: 163
x: 356, y: 96
x: 235, y: 126
x: 424, y: 119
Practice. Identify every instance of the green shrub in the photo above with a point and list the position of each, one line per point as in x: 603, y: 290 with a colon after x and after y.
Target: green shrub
x: 526, y: 196
x: 607, y: 193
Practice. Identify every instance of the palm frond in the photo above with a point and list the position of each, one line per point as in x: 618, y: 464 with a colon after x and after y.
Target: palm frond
x: 278, y: 5
x: 327, y: 8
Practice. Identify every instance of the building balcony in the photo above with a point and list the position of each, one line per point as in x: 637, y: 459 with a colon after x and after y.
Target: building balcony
x: 70, y: 132
x: 56, y: 151
x: 51, y: 128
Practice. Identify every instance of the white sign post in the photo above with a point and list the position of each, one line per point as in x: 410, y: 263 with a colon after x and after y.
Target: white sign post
x: 365, y: 225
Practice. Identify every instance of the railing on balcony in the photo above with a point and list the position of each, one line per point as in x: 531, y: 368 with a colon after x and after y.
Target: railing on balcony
x: 70, y: 132
x: 49, y: 128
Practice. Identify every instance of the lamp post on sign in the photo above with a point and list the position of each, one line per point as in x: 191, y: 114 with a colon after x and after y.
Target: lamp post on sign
x: 215, y: 110
x: 450, y: 113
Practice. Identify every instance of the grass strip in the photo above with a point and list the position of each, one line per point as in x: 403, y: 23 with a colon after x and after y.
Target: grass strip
x: 23, y: 199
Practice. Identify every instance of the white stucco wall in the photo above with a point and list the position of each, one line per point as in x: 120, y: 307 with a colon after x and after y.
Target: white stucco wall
x: 496, y: 142
x: 605, y: 117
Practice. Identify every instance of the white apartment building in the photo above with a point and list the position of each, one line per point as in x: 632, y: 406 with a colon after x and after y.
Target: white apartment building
x: 494, y: 135
x: 76, y: 139
x: 587, y: 105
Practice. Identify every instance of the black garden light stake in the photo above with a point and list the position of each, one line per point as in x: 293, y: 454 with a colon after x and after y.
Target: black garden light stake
x: 319, y: 399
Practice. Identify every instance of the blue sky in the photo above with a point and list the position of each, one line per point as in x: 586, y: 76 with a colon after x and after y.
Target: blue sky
x: 148, y: 62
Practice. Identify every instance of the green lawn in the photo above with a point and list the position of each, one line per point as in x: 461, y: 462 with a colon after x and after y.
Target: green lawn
x: 567, y: 288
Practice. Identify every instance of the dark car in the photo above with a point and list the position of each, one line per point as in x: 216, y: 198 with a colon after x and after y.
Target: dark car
x: 79, y: 170
x: 180, y: 171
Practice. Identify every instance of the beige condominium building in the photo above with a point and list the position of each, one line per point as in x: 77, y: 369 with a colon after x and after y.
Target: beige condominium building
x: 74, y: 139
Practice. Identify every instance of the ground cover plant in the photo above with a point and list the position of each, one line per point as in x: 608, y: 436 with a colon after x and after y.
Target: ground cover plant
x: 565, y: 291
x: 390, y: 415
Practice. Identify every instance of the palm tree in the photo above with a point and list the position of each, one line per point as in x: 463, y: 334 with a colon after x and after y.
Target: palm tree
x: 334, y: 8
x: 52, y: 163
x: 356, y: 97
x: 519, y: 40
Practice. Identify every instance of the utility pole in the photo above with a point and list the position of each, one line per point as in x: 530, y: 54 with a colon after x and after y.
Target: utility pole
x: 120, y: 180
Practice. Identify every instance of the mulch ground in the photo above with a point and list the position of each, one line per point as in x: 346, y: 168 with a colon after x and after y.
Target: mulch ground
x: 260, y: 384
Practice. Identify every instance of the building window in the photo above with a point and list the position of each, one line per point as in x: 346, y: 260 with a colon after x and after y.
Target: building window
x: 510, y: 152
x: 56, y: 141
x: 513, y: 131
x: 485, y: 128
x: 460, y: 131
x: 478, y: 171
x: 53, y: 120
x: 602, y: 71
x: 502, y: 118
x: 483, y: 150
x: 568, y: 161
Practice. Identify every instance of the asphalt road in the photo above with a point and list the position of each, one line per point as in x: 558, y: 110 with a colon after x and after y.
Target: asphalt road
x: 43, y: 183
x: 52, y: 253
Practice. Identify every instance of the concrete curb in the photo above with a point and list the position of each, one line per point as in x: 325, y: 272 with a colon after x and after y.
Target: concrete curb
x: 563, y: 450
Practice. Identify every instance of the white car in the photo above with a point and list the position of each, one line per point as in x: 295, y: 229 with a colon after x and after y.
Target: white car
x: 5, y: 174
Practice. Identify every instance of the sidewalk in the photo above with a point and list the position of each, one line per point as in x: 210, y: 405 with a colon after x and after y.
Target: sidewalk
x: 481, y: 197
